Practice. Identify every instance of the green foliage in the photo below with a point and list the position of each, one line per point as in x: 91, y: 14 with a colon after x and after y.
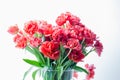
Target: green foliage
x: 27, y: 72
x: 33, y: 62
x: 80, y: 69
x: 34, y: 74
x: 36, y: 53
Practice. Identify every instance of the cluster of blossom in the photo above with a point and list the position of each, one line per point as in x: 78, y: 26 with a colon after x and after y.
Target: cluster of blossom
x: 68, y: 31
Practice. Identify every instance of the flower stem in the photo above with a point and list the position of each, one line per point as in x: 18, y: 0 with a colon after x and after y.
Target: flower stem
x: 66, y: 56
x: 93, y: 49
x: 48, y: 61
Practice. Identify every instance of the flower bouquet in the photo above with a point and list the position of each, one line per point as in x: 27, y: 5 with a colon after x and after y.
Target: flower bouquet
x: 57, y: 48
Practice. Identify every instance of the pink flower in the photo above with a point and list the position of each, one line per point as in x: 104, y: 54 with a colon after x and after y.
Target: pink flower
x: 13, y: 29
x: 45, y: 28
x: 21, y: 41
x: 31, y: 27
x: 98, y: 47
x: 50, y: 49
x: 59, y: 35
x: 34, y: 41
x: 48, y: 30
x: 75, y: 74
x: 61, y: 19
x: 73, y: 33
x: 89, y: 36
x: 91, y: 72
x: 74, y: 20
x: 76, y: 55
x: 76, y: 31
x: 73, y: 43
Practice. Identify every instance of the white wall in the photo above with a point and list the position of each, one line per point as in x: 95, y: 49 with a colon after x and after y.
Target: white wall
x: 101, y: 16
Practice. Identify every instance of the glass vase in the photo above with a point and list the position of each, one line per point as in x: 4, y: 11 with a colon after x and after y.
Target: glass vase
x: 68, y: 74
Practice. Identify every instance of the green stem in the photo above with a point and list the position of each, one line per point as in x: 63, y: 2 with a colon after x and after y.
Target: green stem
x: 82, y: 41
x: 48, y: 61
x: 64, y: 26
x: 68, y: 63
x: 93, y: 49
x: 66, y: 56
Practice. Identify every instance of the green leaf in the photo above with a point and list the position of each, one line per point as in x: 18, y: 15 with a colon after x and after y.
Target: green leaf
x: 34, y: 74
x: 29, y: 49
x: 84, y: 52
x: 36, y: 53
x: 61, y: 56
x: 68, y: 64
x: 33, y: 62
x: 38, y: 35
x: 80, y: 69
x: 39, y: 55
x: 62, y: 49
x: 26, y: 73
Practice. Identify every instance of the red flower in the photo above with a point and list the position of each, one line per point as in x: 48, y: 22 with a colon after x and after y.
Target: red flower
x: 31, y: 27
x: 89, y: 37
x: 76, y: 55
x: 59, y: 35
x: 47, y: 30
x: 50, y: 49
x: 75, y: 32
x: 61, y: 19
x: 73, y: 43
x: 98, y: 47
x: 34, y: 41
x: 21, y: 41
x: 91, y: 72
x: 13, y: 29
x: 74, y: 20
x: 68, y: 25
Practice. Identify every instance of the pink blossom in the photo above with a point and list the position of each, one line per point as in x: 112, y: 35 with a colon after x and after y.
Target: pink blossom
x: 75, y: 74
x: 76, y: 55
x: 98, y: 47
x: 74, y: 20
x: 59, y: 35
x: 48, y: 30
x: 34, y: 41
x: 73, y: 44
x: 31, y: 27
x: 45, y: 28
x: 21, y: 41
x: 61, y: 19
x: 13, y: 29
x: 91, y: 72
x: 89, y: 37
x: 50, y: 49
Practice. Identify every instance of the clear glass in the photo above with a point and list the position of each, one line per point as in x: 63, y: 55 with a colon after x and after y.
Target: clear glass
x: 59, y: 74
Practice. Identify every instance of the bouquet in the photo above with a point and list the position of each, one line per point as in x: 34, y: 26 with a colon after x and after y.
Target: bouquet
x: 57, y: 48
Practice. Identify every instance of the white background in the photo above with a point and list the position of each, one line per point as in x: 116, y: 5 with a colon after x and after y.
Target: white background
x: 101, y: 16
